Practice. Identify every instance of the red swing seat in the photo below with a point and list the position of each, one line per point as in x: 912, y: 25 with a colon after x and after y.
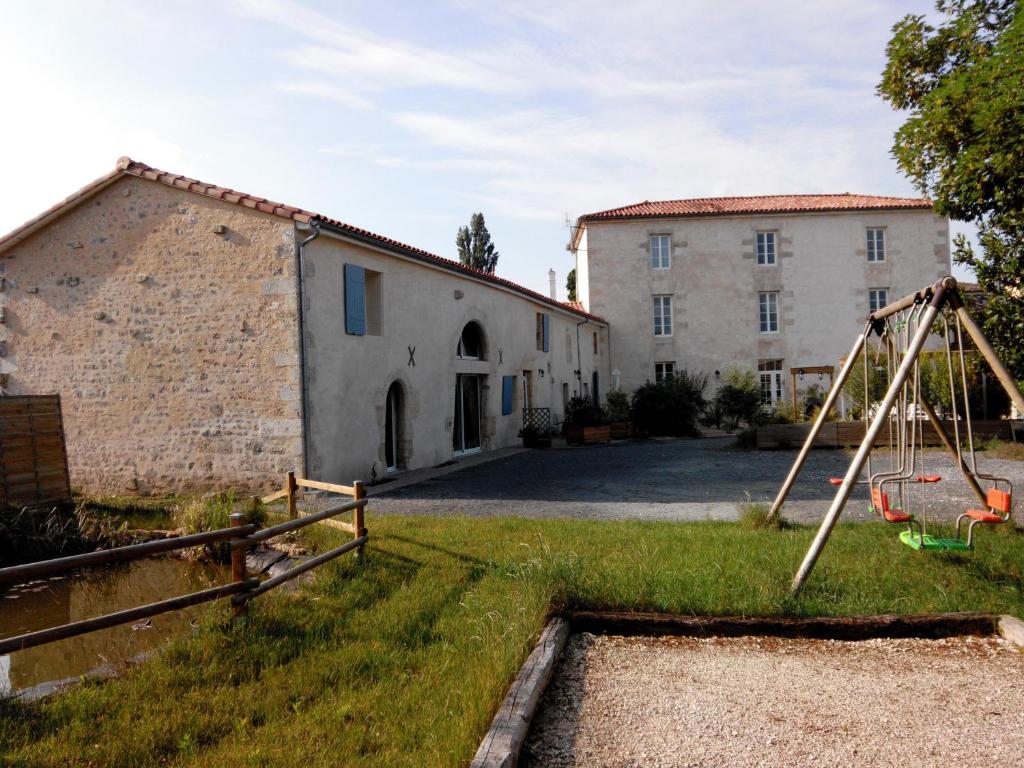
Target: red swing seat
x: 999, y: 508
x: 999, y: 504
x: 880, y: 501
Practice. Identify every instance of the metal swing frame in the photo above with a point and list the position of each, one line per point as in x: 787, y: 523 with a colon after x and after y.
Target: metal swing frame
x: 934, y: 299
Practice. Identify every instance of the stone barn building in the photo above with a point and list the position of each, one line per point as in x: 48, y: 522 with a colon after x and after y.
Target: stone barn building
x: 201, y: 337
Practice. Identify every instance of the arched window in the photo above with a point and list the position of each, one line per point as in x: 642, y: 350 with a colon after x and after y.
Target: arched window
x: 471, y: 343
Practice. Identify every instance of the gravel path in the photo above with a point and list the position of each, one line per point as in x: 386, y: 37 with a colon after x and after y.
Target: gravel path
x: 659, y: 480
x: 768, y: 702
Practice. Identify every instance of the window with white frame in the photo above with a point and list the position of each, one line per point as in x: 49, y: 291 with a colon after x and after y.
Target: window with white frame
x: 662, y: 315
x: 768, y: 307
x: 876, y: 244
x: 664, y: 371
x: 877, y: 298
x: 766, y: 248
x: 770, y: 376
x: 661, y: 251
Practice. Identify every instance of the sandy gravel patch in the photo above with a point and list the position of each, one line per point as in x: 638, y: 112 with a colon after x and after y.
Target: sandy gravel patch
x: 749, y: 701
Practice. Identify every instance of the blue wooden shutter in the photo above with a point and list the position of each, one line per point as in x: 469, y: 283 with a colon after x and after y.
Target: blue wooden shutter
x: 547, y: 333
x: 508, y: 384
x: 355, y: 300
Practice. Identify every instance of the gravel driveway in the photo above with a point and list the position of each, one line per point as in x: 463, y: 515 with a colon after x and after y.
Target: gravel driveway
x: 661, y: 480
x: 769, y: 702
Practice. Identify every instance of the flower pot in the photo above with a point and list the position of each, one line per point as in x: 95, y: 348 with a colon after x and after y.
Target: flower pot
x: 577, y: 434
x: 621, y: 430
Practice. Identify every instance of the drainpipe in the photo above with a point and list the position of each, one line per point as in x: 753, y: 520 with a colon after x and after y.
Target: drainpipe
x: 299, y: 252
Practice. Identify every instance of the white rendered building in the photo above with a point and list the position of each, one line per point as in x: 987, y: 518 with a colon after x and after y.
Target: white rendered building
x: 774, y: 284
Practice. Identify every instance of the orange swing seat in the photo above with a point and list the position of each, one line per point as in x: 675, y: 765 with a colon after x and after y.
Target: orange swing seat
x: 999, y: 504
x: 880, y: 501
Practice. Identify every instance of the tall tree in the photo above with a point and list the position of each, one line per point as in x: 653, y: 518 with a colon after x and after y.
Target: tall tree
x: 963, y: 143
x: 570, y: 285
x: 475, y: 247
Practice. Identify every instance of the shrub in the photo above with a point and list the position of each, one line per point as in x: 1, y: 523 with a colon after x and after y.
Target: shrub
x: 581, y: 411
x: 738, y: 399
x: 670, y: 407
x: 212, y: 513
x: 617, y: 405
x: 754, y: 515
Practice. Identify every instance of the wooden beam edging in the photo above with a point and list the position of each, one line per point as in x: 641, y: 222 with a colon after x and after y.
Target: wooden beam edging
x: 935, y: 625
x: 504, y: 739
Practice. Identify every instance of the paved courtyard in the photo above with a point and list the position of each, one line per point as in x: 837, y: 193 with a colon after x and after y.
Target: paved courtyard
x: 660, y: 480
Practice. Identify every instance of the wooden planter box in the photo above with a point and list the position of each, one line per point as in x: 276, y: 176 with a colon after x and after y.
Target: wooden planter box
x: 537, y: 441
x: 621, y: 430
x: 578, y: 435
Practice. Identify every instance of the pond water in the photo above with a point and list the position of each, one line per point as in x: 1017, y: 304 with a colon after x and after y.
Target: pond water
x: 93, y: 592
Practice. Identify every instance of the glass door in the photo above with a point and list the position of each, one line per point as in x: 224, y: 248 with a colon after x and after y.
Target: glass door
x: 466, y: 426
x: 391, y: 429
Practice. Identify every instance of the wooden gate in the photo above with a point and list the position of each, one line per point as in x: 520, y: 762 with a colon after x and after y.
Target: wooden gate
x: 33, y: 457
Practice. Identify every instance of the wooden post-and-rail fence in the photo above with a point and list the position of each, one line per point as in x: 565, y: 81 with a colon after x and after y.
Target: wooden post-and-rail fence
x: 241, y: 535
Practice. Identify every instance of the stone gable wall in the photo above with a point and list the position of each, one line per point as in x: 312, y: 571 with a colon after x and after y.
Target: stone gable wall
x: 173, y: 345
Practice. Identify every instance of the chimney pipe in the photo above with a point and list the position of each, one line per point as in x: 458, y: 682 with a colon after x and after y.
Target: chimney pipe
x: 551, y: 285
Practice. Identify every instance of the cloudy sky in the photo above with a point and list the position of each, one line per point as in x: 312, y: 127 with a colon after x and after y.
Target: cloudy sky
x: 404, y: 118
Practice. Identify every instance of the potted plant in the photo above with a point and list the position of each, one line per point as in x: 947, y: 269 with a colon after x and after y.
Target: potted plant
x: 585, y: 423
x: 534, y: 437
x: 617, y: 408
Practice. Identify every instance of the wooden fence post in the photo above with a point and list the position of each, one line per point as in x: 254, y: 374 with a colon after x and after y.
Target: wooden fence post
x: 292, y: 487
x: 238, y: 561
x: 357, y: 515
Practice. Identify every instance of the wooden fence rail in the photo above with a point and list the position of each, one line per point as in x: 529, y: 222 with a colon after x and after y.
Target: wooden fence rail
x: 241, y: 535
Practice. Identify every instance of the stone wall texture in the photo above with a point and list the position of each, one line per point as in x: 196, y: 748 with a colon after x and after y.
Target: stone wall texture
x: 174, y: 347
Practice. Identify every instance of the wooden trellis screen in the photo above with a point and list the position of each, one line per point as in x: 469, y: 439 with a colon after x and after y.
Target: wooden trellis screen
x: 33, y: 457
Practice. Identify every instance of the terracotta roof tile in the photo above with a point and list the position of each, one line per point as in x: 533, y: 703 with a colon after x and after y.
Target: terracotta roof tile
x: 724, y: 206
x: 127, y: 166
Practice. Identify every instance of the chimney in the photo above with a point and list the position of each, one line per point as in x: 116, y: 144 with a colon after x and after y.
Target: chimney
x: 551, y: 285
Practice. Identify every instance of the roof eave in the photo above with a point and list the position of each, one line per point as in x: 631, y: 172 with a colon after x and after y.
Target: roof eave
x: 450, y: 266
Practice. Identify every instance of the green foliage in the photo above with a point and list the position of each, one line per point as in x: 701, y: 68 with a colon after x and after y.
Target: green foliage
x: 475, y: 247
x: 581, y: 411
x: 878, y: 382
x: 212, y: 513
x: 934, y: 369
x: 31, y: 534
x: 570, y: 285
x: 670, y: 407
x: 754, y: 515
x: 738, y: 399
x: 963, y: 144
x: 617, y: 405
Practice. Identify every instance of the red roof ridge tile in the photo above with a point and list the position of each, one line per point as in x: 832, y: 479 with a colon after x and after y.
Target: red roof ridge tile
x: 126, y: 166
x: 758, y: 204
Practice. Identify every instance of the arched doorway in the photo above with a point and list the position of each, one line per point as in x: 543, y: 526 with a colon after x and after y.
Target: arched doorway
x: 467, y: 422
x: 392, y: 426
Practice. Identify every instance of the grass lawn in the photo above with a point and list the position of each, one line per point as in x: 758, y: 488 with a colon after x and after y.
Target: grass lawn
x: 403, y: 659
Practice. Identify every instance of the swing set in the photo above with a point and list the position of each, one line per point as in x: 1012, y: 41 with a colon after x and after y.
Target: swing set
x: 900, y: 331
